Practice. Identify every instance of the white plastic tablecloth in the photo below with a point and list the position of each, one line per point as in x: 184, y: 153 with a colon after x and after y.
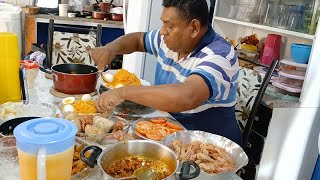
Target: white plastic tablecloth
x: 41, y: 92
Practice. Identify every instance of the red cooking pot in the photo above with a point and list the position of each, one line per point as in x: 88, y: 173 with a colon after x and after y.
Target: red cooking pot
x: 99, y: 15
x: 105, y: 7
x: 74, y: 78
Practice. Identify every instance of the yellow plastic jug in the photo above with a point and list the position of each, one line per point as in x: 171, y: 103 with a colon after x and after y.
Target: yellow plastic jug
x: 10, y: 89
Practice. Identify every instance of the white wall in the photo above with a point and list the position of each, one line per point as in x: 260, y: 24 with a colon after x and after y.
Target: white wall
x: 19, y: 2
x: 154, y: 23
x: 30, y: 2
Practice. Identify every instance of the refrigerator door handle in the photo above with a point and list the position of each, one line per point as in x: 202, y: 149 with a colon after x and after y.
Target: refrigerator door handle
x: 125, y: 16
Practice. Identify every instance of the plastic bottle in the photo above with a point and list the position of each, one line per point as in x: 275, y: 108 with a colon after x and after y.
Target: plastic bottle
x: 10, y: 89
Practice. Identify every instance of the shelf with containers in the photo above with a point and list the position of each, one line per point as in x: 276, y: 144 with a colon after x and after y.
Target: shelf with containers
x: 237, y: 19
x: 268, y: 28
x: 294, y: 20
x: 283, y: 16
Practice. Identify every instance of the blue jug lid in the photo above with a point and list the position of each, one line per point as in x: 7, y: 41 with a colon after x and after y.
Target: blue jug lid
x: 53, y: 134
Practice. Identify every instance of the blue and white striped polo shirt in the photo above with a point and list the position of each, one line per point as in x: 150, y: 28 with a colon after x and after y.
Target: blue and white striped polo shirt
x: 213, y: 59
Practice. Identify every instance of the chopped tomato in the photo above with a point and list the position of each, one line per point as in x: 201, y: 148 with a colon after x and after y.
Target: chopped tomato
x: 29, y: 64
x: 174, y: 126
x: 144, y: 126
x: 162, y: 130
x: 159, y: 121
x: 173, y: 130
x: 154, y: 135
x: 162, y: 125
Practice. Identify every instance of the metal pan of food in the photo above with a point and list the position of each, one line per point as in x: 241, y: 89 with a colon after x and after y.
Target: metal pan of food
x: 155, y: 128
x: 123, y: 159
x: 216, y: 155
x: 80, y: 170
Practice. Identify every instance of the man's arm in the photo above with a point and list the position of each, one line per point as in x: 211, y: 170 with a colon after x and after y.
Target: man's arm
x: 170, y: 98
x: 126, y: 44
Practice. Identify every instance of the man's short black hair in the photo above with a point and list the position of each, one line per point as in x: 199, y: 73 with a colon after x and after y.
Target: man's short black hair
x: 190, y: 9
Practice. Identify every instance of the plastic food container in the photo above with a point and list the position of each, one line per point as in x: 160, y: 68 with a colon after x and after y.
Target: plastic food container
x: 11, y: 110
x: 290, y: 80
x: 32, y: 69
x: 288, y: 66
x: 291, y: 76
x: 300, y: 53
x: 286, y: 89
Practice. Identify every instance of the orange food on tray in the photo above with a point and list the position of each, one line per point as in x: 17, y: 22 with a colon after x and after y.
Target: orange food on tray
x: 158, y: 121
x: 174, y: 126
x: 157, y: 128
x: 144, y: 126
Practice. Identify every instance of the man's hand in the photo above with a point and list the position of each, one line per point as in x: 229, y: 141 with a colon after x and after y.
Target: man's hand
x: 102, y: 56
x: 107, y: 101
x: 125, y: 44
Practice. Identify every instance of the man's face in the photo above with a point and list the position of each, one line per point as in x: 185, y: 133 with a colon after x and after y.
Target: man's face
x: 176, y: 32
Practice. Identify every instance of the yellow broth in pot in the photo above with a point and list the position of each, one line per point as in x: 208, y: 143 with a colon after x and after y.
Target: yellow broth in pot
x: 126, y: 167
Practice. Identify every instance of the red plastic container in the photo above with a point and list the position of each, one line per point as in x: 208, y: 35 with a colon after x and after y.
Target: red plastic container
x: 271, y: 50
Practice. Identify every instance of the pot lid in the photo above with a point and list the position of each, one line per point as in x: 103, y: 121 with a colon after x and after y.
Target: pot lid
x: 53, y: 134
x: 116, y: 10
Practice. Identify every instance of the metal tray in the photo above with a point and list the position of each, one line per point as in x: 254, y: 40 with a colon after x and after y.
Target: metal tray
x: 234, y: 150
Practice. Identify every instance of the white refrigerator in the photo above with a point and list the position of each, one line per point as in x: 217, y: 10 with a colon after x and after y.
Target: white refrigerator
x: 141, y: 16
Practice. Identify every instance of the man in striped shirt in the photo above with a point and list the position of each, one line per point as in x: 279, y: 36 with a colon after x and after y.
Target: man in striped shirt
x: 196, y: 71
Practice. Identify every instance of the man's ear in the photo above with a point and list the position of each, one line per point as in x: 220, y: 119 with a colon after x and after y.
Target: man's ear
x: 196, y: 26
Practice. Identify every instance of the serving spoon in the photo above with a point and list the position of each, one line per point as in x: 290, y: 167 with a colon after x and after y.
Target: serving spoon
x: 143, y: 173
x: 102, y: 76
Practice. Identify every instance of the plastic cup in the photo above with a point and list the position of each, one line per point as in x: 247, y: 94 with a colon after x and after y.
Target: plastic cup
x: 31, y: 76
